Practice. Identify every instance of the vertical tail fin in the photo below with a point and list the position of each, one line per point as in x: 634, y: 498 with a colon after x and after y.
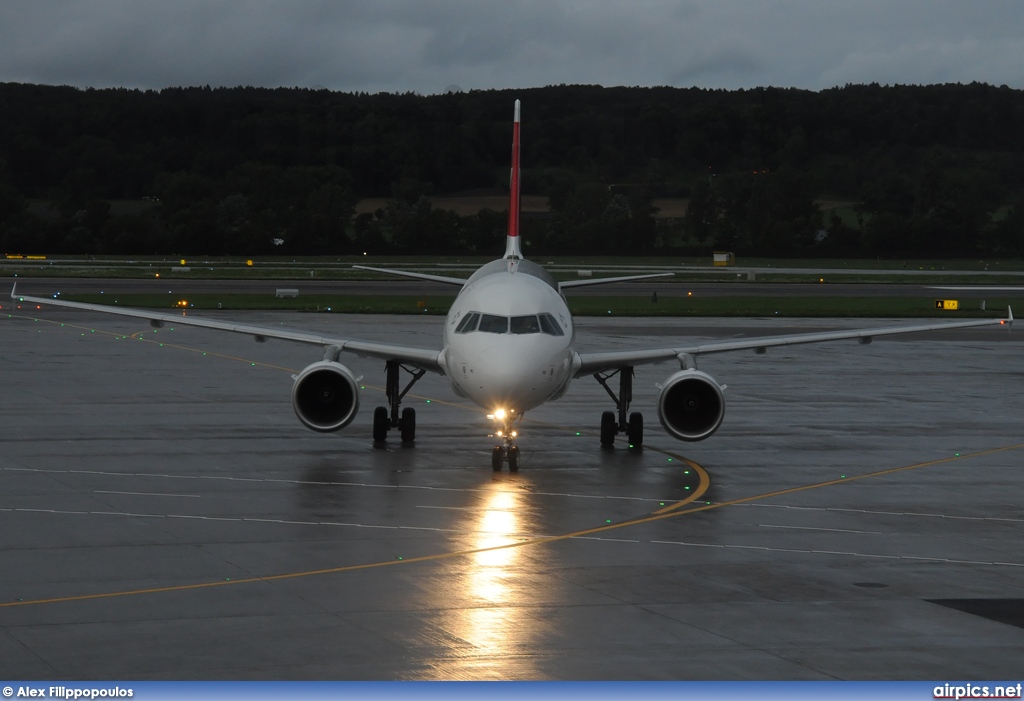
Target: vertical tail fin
x: 512, y: 246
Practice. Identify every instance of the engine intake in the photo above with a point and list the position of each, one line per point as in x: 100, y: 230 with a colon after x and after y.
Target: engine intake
x: 326, y: 396
x: 691, y: 405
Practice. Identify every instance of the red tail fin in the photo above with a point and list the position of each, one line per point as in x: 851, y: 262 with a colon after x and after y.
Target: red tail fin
x: 512, y: 249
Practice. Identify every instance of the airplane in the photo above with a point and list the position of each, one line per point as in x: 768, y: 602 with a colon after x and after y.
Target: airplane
x: 509, y: 346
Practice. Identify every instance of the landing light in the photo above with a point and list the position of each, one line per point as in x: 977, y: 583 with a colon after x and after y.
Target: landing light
x: 499, y: 414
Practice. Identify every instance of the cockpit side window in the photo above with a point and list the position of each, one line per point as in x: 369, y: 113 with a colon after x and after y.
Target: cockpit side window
x: 491, y: 323
x: 549, y: 326
x: 525, y: 324
x: 468, y: 323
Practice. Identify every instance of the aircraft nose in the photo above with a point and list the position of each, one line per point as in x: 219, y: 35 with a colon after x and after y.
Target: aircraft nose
x: 509, y: 377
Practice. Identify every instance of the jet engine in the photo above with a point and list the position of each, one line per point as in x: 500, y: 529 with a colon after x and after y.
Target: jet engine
x: 326, y: 396
x: 691, y: 405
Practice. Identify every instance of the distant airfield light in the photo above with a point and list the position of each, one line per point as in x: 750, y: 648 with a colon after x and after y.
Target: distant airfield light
x: 158, y: 274
x: 821, y: 279
x: 689, y: 294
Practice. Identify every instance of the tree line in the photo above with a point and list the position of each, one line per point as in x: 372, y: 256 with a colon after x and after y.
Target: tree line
x: 926, y: 170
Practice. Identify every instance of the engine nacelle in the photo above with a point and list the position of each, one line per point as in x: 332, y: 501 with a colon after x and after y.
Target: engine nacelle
x: 326, y: 396
x: 691, y: 405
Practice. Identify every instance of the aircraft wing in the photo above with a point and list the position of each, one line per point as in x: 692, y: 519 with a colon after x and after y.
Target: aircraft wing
x: 590, y: 363
x: 605, y: 280
x: 420, y: 357
x: 419, y: 276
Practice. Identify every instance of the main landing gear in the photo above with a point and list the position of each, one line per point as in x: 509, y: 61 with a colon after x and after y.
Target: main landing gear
x: 508, y: 450
x: 384, y: 420
x: 611, y: 425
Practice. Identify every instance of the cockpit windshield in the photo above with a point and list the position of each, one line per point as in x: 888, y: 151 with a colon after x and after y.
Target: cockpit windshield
x: 524, y: 324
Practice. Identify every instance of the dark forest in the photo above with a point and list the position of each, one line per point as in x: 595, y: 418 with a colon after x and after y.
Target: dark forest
x: 918, y: 171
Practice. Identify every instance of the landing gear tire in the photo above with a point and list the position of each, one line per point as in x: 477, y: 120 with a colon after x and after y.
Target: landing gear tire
x: 636, y: 430
x: 497, y: 458
x: 608, y: 429
x: 408, y: 425
x: 513, y: 459
x: 380, y: 424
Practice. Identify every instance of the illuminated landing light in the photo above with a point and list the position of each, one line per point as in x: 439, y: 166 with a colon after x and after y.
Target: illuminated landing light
x: 499, y: 414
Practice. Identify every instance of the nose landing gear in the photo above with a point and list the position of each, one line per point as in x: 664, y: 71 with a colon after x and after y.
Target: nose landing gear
x: 508, y: 451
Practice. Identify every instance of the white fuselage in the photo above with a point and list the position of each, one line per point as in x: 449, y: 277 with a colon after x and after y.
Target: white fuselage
x: 517, y: 352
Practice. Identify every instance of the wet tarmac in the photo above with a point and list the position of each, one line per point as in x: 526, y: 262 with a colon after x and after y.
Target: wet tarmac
x: 163, y: 514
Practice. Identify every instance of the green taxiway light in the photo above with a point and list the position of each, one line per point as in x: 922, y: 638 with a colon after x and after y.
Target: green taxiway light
x: 607, y: 520
x: 661, y: 503
x: 842, y: 477
x: 956, y: 455
x: 686, y: 487
x: 577, y: 433
x: 428, y: 401
x: 686, y: 472
x: 399, y: 558
x: 670, y: 459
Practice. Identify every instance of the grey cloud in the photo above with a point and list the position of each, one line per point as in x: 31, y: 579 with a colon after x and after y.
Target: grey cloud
x: 426, y: 45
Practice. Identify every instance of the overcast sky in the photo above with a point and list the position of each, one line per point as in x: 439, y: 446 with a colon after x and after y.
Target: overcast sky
x: 428, y: 46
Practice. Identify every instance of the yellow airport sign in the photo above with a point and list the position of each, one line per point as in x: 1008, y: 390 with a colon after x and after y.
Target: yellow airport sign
x: 948, y: 304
